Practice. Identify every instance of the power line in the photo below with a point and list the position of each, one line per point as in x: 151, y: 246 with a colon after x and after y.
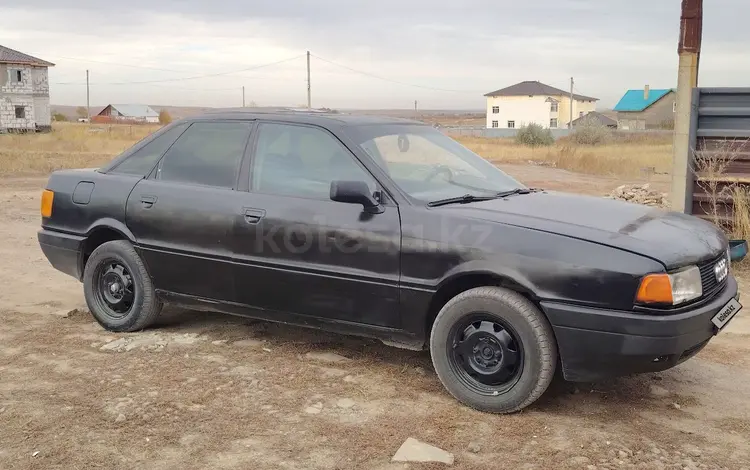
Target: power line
x: 256, y: 67
x: 578, y: 91
x: 145, y: 67
x: 391, y: 80
x: 121, y: 64
x: 171, y: 87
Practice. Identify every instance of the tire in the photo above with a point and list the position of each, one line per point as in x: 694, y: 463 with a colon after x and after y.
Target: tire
x: 115, y: 268
x: 480, y: 320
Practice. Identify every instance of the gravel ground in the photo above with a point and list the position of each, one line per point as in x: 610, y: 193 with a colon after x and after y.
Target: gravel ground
x: 210, y: 391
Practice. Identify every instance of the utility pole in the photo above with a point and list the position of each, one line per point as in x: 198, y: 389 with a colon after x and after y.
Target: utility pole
x: 688, y: 49
x: 309, y: 100
x: 416, y: 114
x: 243, y: 96
x: 88, y: 98
x: 570, y: 123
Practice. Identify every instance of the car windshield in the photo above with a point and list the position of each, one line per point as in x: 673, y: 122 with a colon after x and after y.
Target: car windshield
x: 428, y: 165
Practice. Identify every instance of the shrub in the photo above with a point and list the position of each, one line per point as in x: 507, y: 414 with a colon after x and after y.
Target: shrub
x: 667, y: 124
x: 591, y: 132
x: 59, y: 117
x: 534, y: 135
x: 164, y: 117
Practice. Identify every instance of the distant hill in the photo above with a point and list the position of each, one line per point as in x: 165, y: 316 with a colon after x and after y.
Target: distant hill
x: 70, y: 111
x: 441, y: 116
x: 177, y: 112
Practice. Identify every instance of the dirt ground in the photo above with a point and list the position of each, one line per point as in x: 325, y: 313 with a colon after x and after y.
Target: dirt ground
x: 209, y: 391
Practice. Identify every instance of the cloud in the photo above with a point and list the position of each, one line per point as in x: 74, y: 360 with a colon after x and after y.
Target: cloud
x: 471, y: 47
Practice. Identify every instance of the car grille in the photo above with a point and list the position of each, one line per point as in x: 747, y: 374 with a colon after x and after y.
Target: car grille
x: 708, y: 277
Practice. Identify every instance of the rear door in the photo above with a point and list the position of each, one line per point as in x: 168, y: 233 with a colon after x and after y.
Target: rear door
x: 182, y: 215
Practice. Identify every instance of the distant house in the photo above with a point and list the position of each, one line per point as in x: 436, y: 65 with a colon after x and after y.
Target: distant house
x: 646, y: 109
x: 129, y: 112
x: 534, y: 102
x: 24, y: 92
x: 596, y: 118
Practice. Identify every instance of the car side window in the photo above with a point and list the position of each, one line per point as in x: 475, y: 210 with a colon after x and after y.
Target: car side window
x: 302, y: 161
x: 143, y: 161
x: 208, y: 154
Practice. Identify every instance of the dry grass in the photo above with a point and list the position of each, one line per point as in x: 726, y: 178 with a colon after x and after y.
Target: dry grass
x: 626, y: 158
x: 69, y: 145
x: 73, y: 145
x: 741, y: 213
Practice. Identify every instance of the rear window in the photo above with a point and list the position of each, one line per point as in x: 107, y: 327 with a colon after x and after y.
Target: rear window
x: 144, y: 160
x: 208, y: 154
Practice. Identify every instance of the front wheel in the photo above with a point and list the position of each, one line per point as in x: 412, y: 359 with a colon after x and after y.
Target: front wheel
x: 493, y: 350
x: 118, y: 289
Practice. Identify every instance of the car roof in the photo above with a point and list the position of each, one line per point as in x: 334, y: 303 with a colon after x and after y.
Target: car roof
x: 301, y: 115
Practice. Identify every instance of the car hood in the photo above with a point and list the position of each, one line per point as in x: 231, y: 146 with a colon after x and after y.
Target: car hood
x: 672, y: 238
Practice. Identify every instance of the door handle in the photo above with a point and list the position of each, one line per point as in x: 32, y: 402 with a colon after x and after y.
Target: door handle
x: 148, y: 201
x: 253, y: 216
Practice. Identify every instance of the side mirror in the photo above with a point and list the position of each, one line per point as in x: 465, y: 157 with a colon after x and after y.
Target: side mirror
x: 355, y: 192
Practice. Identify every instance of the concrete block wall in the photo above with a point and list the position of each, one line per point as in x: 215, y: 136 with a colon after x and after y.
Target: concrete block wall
x: 42, y: 112
x: 25, y: 86
x: 40, y: 81
x: 8, y: 118
x: 32, y: 92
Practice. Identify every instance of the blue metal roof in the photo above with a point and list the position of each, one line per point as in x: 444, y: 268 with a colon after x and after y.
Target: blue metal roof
x: 135, y: 110
x: 633, y: 99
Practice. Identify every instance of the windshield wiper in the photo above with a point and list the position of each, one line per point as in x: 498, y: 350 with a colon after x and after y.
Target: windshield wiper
x: 460, y: 200
x: 513, y: 192
x: 472, y: 198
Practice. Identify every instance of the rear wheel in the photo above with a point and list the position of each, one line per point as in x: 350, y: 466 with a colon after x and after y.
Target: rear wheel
x: 493, y: 349
x: 118, y: 289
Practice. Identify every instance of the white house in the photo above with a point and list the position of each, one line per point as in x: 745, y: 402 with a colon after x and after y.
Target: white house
x: 534, y: 102
x: 24, y: 92
x: 130, y: 112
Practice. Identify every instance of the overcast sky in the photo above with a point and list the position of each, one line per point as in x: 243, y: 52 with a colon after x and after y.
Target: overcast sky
x: 453, y: 52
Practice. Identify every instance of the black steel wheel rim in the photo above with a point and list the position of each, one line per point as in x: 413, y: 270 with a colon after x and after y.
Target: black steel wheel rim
x: 114, y: 288
x: 485, y: 353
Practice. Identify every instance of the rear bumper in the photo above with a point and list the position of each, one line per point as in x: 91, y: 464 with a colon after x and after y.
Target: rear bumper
x: 595, y: 344
x: 62, y: 250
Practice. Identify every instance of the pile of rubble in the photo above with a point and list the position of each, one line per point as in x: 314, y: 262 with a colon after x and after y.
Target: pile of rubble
x: 640, y: 194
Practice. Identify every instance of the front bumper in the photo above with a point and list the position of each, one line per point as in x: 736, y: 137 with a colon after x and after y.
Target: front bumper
x: 63, y: 251
x: 596, y: 344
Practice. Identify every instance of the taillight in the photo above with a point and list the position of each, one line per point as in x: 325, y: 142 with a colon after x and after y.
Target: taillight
x: 47, y: 198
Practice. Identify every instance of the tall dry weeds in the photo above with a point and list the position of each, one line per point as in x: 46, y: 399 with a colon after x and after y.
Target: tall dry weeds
x: 711, y: 167
x: 741, y: 215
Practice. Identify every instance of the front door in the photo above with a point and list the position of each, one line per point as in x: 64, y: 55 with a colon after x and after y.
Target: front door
x: 183, y: 216
x: 299, y: 252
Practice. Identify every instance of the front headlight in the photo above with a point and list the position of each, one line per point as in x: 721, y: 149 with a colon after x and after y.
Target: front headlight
x: 671, y: 289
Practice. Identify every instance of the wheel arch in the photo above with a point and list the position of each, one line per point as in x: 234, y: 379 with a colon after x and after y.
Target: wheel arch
x: 102, y: 231
x: 469, y: 277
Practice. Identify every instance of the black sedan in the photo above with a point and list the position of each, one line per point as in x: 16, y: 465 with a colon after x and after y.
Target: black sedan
x: 389, y: 229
